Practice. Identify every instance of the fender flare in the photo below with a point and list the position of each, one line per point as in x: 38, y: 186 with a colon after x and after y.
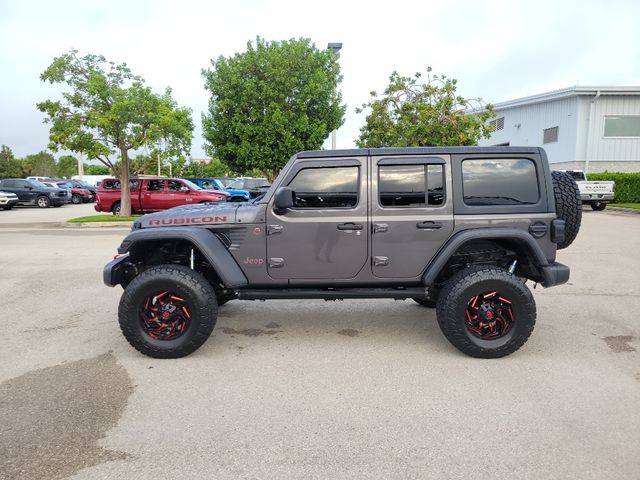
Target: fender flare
x: 206, y: 242
x: 460, y: 238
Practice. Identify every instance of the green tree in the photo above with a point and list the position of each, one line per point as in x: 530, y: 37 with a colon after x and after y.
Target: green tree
x: 109, y: 111
x: 96, y: 170
x: 413, y: 112
x: 9, y: 165
x: 267, y: 103
x: 41, y: 164
x: 213, y: 168
x: 67, y: 166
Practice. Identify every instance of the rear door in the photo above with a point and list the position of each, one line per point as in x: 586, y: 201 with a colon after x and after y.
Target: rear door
x: 324, y: 236
x: 411, y: 213
x: 155, y: 196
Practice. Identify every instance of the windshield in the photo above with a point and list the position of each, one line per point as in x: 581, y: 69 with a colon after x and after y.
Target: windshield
x: 237, y: 184
x: 191, y: 185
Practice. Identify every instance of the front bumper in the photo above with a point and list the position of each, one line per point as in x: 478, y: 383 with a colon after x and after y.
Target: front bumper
x: 554, y: 274
x: 8, y: 202
x: 113, y: 271
x: 60, y: 200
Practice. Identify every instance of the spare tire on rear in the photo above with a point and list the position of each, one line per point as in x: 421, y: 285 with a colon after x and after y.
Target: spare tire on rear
x: 568, y: 205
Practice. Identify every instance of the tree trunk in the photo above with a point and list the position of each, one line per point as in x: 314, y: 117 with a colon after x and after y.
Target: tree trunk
x: 125, y: 192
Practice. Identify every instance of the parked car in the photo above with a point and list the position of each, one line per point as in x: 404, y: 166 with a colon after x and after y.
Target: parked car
x: 255, y: 186
x: 457, y: 228
x: 79, y: 194
x: 8, y: 200
x: 83, y: 184
x: 150, y: 194
x: 32, y: 192
x: 39, y: 179
x: 595, y: 193
x: 235, y: 195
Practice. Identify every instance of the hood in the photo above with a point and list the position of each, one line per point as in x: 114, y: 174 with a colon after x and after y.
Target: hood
x: 200, y: 214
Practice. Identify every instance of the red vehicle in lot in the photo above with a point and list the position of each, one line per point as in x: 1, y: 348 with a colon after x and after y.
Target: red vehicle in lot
x: 151, y: 194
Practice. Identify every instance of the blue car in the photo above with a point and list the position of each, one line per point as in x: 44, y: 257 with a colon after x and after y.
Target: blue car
x: 235, y: 195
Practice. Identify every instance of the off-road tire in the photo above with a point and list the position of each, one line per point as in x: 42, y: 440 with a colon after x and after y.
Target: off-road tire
x: 43, y: 201
x: 463, y: 286
x: 76, y: 199
x: 188, y: 284
x: 568, y: 205
x: 598, y: 206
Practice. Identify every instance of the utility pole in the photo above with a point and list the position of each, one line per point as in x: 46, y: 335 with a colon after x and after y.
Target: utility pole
x: 80, y: 164
x: 335, y: 47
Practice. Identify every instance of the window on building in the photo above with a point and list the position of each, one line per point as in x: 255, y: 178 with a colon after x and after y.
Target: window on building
x: 500, y: 181
x: 326, y: 187
x: 622, y: 126
x: 411, y: 185
x: 550, y: 135
x: 497, y: 123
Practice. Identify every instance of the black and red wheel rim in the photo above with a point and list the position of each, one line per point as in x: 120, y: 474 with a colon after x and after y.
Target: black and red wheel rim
x: 165, y: 316
x: 489, y: 315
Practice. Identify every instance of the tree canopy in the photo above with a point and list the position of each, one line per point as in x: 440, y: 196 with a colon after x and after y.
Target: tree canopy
x: 9, y: 166
x: 41, y: 164
x: 108, y: 111
x: 415, y: 112
x: 67, y: 166
x: 269, y: 102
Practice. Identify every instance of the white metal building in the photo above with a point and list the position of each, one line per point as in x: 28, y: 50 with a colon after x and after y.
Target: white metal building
x: 581, y: 128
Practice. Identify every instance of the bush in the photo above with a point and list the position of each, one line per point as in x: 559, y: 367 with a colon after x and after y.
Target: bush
x: 627, y: 185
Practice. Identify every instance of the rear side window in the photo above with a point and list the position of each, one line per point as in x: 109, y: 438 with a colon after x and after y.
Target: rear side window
x: 114, y: 184
x: 411, y: 185
x: 155, y: 185
x: 326, y: 187
x: 500, y: 181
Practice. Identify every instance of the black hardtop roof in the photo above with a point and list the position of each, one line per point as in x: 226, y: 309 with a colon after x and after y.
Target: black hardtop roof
x: 361, y: 152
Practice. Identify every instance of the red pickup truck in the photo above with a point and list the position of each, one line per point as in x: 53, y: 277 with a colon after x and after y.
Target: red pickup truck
x: 150, y: 194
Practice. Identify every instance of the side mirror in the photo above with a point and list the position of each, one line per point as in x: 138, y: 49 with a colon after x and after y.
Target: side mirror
x: 284, y: 198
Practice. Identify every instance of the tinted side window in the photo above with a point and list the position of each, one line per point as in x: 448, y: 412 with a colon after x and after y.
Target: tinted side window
x: 326, y: 187
x: 155, y: 185
x: 411, y: 185
x: 9, y: 183
x: 175, y: 185
x: 502, y: 181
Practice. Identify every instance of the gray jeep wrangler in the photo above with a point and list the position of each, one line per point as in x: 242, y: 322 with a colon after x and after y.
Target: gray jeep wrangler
x: 460, y: 229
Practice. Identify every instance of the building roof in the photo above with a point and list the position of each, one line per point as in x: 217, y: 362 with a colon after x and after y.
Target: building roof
x: 566, y: 93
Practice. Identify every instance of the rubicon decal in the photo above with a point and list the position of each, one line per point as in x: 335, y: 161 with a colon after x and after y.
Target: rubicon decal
x: 189, y: 220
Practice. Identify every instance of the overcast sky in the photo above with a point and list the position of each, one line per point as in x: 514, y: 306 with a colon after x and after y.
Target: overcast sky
x: 498, y: 50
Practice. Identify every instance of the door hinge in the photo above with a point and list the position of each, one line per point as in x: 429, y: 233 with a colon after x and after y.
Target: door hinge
x: 380, y: 227
x: 276, y: 262
x: 380, y: 261
x: 273, y: 229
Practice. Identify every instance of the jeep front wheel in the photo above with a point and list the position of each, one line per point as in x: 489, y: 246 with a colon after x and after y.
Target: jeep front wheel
x: 486, y: 312
x: 168, y: 311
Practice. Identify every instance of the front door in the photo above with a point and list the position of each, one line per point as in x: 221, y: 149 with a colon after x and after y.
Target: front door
x: 324, y: 236
x: 411, y: 213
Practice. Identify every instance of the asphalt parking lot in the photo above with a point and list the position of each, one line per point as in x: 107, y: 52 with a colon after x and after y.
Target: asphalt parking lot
x: 285, y: 389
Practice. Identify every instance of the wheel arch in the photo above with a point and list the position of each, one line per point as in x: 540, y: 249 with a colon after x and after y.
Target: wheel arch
x: 517, y: 240
x: 202, y: 240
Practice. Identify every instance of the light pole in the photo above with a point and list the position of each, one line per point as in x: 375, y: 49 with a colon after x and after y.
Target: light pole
x: 335, y: 48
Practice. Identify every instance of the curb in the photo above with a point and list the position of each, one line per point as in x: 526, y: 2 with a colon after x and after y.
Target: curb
x: 97, y: 225
x: 633, y: 211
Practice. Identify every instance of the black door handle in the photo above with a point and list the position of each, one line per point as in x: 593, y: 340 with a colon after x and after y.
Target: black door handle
x: 350, y: 226
x: 429, y: 225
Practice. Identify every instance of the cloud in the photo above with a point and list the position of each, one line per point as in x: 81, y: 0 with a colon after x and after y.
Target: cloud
x: 496, y: 49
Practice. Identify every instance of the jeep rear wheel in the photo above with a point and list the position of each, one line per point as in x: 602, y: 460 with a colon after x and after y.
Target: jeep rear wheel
x: 168, y: 311
x: 568, y: 205
x: 486, y: 312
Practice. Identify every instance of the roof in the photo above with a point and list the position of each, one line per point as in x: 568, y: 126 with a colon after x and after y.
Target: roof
x: 566, y: 93
x: 362, y: 152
